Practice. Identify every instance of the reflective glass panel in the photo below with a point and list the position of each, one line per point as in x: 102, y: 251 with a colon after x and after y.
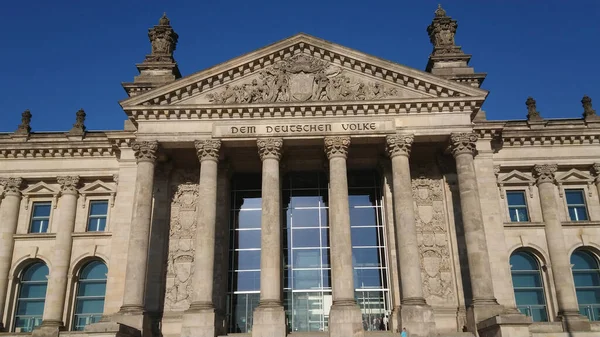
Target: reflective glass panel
x: 528, y: 286
x: 91, y: 289
x: 586, y: 274
x: 32, y: 296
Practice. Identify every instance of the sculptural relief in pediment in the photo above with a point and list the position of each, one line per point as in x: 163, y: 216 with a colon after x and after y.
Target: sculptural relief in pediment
x: 302, y: 78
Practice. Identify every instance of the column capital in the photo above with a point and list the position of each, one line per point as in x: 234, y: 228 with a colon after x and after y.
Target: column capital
x: 68, y: 184
x: 399, y: 145
x: 145, y: 150
x: 464, y: 142
x: 544, y: 173
x: 337, y: 146
x: 208, y: 149
x: 270, y: 148
x: 12, y: 186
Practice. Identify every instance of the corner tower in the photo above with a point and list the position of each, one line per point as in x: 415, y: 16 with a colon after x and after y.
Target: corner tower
x: 447, y: 60
x: 159, y: 67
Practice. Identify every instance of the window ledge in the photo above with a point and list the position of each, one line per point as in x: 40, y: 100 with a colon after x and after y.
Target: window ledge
x: 91, y: 234
x: 34, y: 236
x: 541, y: 224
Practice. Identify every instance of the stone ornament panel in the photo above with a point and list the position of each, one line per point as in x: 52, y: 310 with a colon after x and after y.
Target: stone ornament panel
x: 270, y: 148
x: 182, y: 234
x: 337, y: 146
x: 433, y: 237
x: 68, y: 184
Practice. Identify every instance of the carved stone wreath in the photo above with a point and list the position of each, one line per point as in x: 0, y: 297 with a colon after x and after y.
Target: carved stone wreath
x: 301, y: 78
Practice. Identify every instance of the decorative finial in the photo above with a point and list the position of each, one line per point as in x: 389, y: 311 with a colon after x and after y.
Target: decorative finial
x: 164, y: 20
x: 163, y: 39
x: 588, y: 112
x: 25, y: 127
x: 532, y: 113
x: 441, y: 34
x: 79, y: 127
x: 440, y: 12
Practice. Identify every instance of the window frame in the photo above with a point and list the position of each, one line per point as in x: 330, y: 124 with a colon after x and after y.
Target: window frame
x: 31, y: 208
x: 18, y: 286
x: 574, y: 271
x: 585, y: 203
x: 89, y: 202
x: 75, y: 294
x: 509, y: 207
x: 543, y: 281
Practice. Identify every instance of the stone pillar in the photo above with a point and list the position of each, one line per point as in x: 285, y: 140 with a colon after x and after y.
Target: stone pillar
x: 483, y: 303
x: 9, y: 215
x: 269, y: 316
x: 221, y: 269
x: 132, y: 310
x: 568, y: 310
x: 416, y: 316
x: 200, y: 319
x: 345, y: 318
x: 61, y: 256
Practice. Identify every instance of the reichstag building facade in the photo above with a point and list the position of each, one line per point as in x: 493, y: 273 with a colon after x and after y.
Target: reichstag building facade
x: 303, y: 189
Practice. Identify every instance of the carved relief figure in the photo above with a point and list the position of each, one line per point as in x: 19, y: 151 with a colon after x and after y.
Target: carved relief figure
x: 301, y: 78
x: 181, y: 247
x: 438, y: 283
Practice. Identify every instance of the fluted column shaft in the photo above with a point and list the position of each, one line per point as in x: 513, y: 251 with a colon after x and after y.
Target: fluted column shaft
x: 9, y: 216
x: 339, y: 226
x: 463, y: 147
x: 204, y: 255
x: 61, y: 257
x: 139, y: 232
x: 559, y: 258
x: 270, y: 150
x: 399, y: 147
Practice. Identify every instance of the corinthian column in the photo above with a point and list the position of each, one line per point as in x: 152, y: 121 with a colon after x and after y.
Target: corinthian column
x: 139, y: 237
x: 200, y: 319
x: 269, y: 317
x: 484, y: 304
x: 596, y: 171
x: 61, y: 257
x: 345, y: 319
x: 568, y: 310
x: 416, y: 315
x: 9, y: 215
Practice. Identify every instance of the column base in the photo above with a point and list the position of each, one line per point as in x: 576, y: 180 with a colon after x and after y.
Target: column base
x: 480, y: 310
x: 112, y: 329
x: 505, y: 325
x: 48, y: 328
x: 199, y: 322
x: 269, y: 321
x: 418, y: 320
x: 573, y: 321
x: 345, y: 320
x: 394, y: 325
x: 133, y: 316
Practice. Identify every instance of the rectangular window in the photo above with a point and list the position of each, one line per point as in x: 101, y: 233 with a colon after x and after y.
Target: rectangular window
x: 40, y: 217
x: 576, y: 205
x: 97, y: 216
x: 517, y: 206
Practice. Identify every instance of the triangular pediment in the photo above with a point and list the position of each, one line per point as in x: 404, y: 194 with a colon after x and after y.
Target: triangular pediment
x: 299, y: 69
x: 40, y: 188
x: 574, y: 176
x: 96, y: 187
x: 515, y: 177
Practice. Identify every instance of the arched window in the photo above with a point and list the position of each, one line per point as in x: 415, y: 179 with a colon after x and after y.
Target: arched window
x: 586, y: 275
x: 32, y: 296
x: 528, y: 286
x: 91, y: 289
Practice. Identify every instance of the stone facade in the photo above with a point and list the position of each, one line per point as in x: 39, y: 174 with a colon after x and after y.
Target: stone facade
x: 301, y: 104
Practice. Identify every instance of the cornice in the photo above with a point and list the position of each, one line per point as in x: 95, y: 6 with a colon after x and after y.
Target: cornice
x: 52, y: 145
x: 348, y: 58
x: 307, y: 109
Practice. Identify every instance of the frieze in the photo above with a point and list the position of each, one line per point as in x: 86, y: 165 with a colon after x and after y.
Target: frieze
x: 302, y: 78
x: 240, y: 130
x: 432, y: 233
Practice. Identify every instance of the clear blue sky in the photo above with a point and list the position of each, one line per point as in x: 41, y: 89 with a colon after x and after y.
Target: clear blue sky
x: 59, y: 56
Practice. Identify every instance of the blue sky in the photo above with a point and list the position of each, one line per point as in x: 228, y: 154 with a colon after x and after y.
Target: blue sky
x: 59, y: 56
